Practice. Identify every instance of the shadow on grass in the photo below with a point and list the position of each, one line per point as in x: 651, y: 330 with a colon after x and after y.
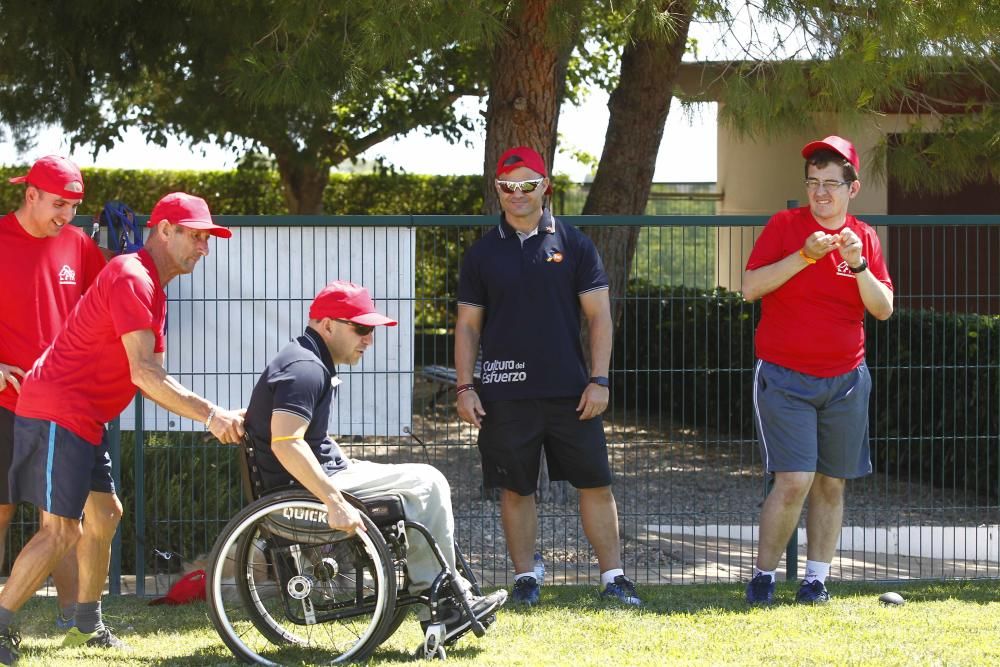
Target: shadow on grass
x: 464, y: 649
x: 669, y: 600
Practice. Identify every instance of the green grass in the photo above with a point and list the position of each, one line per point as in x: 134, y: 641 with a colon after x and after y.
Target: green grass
x: 954, y: 623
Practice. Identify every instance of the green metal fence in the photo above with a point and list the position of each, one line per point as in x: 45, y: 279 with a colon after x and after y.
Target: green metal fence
x: 688, y: 478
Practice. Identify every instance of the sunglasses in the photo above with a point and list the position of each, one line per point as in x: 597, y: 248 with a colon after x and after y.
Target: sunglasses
x: 511, y: 187
x: 360, y: 329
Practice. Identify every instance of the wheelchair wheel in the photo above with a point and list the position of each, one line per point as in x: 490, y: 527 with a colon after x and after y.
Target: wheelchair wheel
x: 284, y: 588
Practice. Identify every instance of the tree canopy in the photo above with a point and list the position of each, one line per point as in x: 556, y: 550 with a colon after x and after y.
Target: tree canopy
x: 932, y: 65
x: 314, y: 82
x: 317, y: 82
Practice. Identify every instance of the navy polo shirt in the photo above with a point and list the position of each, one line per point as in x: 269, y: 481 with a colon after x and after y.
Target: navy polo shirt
x: 530, y: 291
x: 301, y: 380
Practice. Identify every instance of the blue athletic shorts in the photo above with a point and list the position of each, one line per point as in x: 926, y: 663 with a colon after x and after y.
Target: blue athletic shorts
x: 55, y: 469
x: 812, y: 424
x: 514, y: 432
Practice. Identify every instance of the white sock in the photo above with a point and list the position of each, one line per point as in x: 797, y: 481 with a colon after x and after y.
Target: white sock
x: 524, y: 574
x: 609, y: 576
x: 769, y: 573
x: 816, y: 571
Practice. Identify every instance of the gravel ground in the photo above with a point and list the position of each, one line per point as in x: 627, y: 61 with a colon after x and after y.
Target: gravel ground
x: 662, y: 477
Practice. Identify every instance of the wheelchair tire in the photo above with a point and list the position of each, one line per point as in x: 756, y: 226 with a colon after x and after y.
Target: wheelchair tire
x: 275, y: 599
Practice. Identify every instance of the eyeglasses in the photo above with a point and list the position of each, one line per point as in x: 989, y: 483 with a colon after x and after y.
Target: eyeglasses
x: 814, y: 183
x: 511, y: 187
x: 360, y: 329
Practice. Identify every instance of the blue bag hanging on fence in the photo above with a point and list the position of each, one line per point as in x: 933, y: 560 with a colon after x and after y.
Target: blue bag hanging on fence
x: 123, y: 234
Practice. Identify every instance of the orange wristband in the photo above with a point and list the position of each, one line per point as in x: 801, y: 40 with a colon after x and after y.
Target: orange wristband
x: 809, y: 260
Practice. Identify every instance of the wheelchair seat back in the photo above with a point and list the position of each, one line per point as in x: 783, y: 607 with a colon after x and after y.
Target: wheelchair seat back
x: 384, y: 511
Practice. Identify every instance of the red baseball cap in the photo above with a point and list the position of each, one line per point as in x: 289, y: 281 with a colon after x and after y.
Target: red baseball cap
x: 189, y: 588
x: 838, y: 145
x: 180, y: 208
x: 341, y: 300
x: 56, y: 175
x: 521, y: 156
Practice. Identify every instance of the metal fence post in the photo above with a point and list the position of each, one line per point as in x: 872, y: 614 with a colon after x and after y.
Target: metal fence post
x: 792, y: 550
x: 115, y: 447
x: 140, y: 500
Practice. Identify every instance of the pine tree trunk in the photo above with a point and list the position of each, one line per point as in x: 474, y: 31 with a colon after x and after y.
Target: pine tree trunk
x: 639, y: 107
x: 528, y: 75
x: 526, y: 90
x: 303, y: 182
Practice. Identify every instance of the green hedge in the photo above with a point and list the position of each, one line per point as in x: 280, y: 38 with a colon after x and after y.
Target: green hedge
x: 687, y: 354
x: 259, y: 192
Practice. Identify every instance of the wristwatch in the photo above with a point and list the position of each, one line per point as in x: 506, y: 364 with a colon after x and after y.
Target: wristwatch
x: 600, y: 381
x: 860, y: 267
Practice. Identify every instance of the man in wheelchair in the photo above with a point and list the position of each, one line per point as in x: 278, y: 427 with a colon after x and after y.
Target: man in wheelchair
x: 286, y: 424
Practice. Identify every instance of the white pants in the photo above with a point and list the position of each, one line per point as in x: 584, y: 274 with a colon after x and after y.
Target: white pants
x: 426, y: 500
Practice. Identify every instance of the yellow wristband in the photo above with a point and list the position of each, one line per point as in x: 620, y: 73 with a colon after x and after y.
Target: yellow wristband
x: 285, y: 437
x: 809, y: 260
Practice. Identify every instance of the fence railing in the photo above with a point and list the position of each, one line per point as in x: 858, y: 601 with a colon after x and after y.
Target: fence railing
x: 688, y: 477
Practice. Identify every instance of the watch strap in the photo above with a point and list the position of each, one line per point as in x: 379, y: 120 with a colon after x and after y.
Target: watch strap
x: 861, y: 267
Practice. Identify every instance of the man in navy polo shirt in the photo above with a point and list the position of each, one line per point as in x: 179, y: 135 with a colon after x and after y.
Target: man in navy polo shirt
x: 287, y: 420
x: 521, y: 292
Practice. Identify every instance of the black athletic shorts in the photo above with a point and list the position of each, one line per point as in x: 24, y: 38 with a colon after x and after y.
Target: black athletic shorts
x: 55, y: 469
x: 514, y: 432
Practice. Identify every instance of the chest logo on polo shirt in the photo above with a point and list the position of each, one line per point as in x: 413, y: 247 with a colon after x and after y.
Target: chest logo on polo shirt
x: 67, y: 276
x: 844, y: 269
x: 503, y: 371
x: 554, y: 256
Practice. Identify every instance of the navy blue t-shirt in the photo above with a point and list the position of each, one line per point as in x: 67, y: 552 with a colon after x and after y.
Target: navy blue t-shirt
x: 531, y: 294
x: 299, y: 380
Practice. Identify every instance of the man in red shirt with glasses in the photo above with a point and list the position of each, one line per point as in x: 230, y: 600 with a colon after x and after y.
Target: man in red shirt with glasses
x: 817, y: 270
x: 522, y: 289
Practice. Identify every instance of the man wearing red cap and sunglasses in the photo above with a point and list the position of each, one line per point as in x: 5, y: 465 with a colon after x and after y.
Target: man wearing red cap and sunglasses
x: 111, y: 346
x: 287, y: 423
x: 817, y: 270
x: 521, y: 292
x: 51, y: 263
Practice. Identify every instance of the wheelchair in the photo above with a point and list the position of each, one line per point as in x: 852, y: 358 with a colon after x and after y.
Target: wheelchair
x: 283, y: 587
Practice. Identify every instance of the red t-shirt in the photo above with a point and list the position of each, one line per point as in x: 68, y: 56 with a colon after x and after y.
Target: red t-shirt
x: 83, y: 379
x: 814, y: 323
x: 41, y: 280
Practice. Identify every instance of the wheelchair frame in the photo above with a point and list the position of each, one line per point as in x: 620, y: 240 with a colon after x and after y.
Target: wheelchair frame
x: 300, y: 587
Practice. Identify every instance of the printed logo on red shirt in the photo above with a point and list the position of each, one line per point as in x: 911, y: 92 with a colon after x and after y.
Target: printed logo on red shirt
x: 844, y: 269
x: 67, y: 276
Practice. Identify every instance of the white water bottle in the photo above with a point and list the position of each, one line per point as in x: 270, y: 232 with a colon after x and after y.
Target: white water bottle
x: 539, y: 569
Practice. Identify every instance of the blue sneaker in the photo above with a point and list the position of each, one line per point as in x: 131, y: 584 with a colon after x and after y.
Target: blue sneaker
x: 623, y: 590
x: 64, y: 623
x: 812, y: 593
x: 760, y: 590
x: 526, y: 592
